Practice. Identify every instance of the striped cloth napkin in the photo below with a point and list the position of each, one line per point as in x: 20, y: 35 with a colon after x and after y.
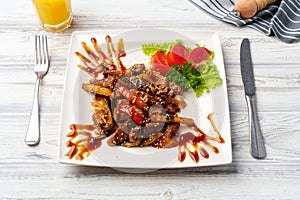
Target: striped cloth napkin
x: 281, y: 19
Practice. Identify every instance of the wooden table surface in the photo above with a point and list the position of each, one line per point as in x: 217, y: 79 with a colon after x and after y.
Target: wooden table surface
x: 34, y: 172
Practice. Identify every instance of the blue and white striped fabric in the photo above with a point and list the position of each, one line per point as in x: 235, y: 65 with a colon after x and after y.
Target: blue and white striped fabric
x: 281, y: 19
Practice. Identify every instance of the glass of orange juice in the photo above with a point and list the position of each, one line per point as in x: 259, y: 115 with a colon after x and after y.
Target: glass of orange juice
x: 55, y: 15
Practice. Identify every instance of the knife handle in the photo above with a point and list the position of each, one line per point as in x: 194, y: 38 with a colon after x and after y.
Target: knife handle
x: 257, y: 147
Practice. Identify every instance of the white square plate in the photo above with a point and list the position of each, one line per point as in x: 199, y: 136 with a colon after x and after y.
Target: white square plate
x: 76, y: 107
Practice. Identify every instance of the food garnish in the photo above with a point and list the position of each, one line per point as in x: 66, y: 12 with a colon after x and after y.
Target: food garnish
x: 151, y: 48
x: 189, y: 68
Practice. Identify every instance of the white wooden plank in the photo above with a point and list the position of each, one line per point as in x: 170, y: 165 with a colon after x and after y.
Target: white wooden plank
x: 230, y: 39
x: 92, y: 183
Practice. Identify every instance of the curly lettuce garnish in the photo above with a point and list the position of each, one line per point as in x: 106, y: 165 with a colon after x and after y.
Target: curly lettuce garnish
x: 151, y: 48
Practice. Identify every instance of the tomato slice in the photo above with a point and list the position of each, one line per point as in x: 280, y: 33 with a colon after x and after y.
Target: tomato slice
x: 198, y: 55
x: 159, y: 63
x: 180, y: 50
x: 177, y: 55
x: 174, y: 58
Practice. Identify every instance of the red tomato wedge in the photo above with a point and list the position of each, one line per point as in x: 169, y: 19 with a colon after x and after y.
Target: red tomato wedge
x: 159, y: 63
x: 198, y: 55
x: 177, y: 55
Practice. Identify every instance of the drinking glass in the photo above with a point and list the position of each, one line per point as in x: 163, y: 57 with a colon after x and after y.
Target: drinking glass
x: 54, y: 15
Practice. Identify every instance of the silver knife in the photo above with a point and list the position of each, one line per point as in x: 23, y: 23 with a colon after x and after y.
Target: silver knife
x: 257, y: 147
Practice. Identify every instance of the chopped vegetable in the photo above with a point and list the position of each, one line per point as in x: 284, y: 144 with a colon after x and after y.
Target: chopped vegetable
x: 198, y: 55
x: 180, y: 74
x: 200, y: 79
x: 180, y: 50
x: 159, y: 63
x: 177, y: 55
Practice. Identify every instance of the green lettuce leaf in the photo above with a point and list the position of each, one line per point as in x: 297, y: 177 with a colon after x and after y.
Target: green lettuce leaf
x: 151, y: 48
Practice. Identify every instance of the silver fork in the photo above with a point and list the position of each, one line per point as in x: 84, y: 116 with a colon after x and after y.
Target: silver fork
x: 41, y: 66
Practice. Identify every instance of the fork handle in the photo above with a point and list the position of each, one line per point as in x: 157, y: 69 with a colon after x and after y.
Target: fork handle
x: 32, y: 137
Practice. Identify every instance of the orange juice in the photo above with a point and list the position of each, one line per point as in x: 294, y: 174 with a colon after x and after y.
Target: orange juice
x: 55, y: 15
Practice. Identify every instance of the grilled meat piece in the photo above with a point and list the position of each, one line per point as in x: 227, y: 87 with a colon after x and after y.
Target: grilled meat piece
x: 136, y: 69
x: 96, y: 89
x: 167, y: 140
x: 117, y: 138
x: 108, y: 82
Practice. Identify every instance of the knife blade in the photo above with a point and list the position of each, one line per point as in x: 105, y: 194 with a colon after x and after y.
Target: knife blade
x: 257, y: 147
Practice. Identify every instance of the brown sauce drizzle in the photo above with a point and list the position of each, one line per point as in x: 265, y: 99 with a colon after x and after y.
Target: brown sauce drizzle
x: 100, y: 61
x: 81, y: 147
x: 193, y: 144
x: 82, y: 142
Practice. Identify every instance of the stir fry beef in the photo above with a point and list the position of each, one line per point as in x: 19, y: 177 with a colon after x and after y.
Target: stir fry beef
x: 133, y: 97
x: 102, y: 117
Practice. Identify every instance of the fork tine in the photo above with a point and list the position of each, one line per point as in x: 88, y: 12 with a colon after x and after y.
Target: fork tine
x: 42, y: 49
x: 37, y: 50
x: 46, y: 50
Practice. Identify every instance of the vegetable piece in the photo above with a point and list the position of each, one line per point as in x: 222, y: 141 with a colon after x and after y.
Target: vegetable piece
x: 198, y: 55
x: 177, y: 55
x: 248, y: 8
x: 211, y: 76
x: 180, y: 50
x: 159, y: 62
x: 181, y: 74
x: 200, y: 79
x: 173, y: 58
x: 151, y: 48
